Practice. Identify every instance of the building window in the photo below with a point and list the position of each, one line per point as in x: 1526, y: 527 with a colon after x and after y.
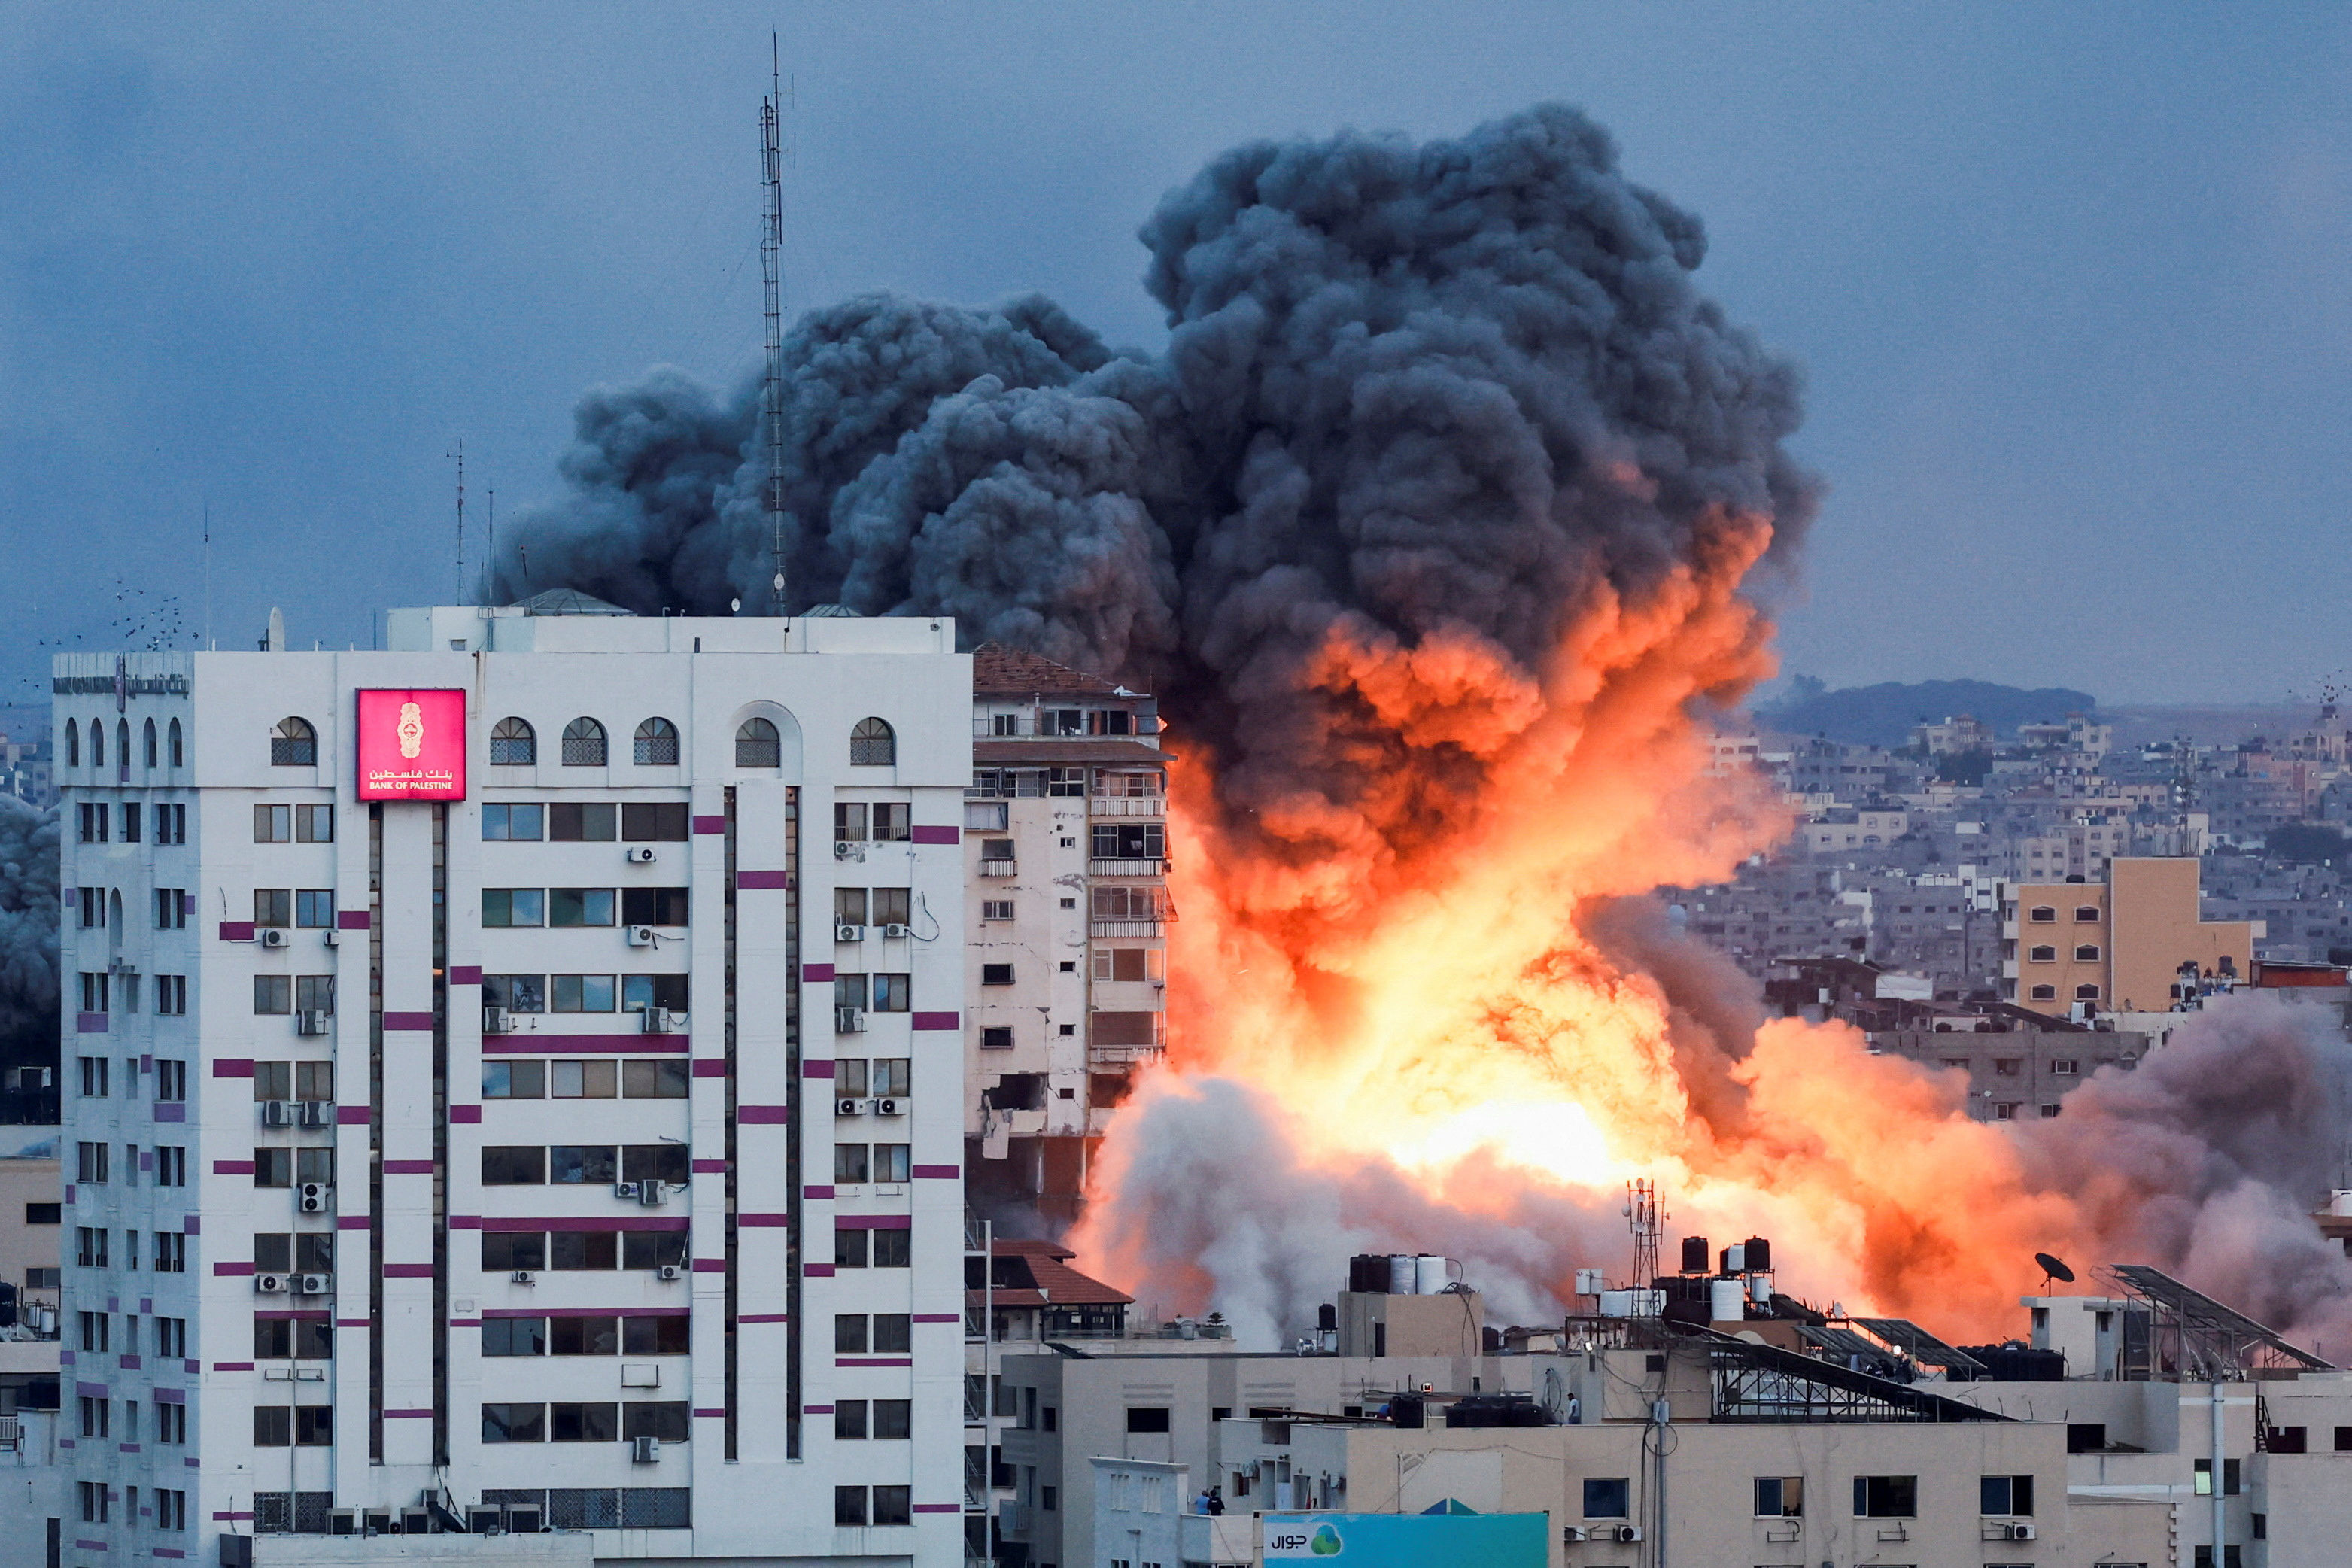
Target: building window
x: 2065, y: 1067
x: 2042, y: 955
x: 178, y: 752
x: 73, y: 751
x: 996, y: 1037
x: 848, y: 1504
x: 996, y: 974
x: 2087, y: 993
x: 1886, y: 1497
x: 873, y: 744
x: 294, y: 744
x: 2085, y: 914
x: 2048, y: 1111
x: 2043, y: 994
x: 314, y: 824
x: 2043, y: 914
x: 656, y: 744
x: 1606, y: 1496
x: 1150, y: 1418
x: 273, y: 993
x: 2009, y: 1497
x: 996, y: 908
x: 513, y: 745
x: 314, y: 908
x: 757, y: 745
x: 148, y: 742
x: 520, y: 822
x: 2086, y: 953
x: 584, y: 744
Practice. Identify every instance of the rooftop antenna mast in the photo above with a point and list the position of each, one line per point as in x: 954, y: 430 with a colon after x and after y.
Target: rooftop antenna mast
x: 460, y: 455
x: 771, y: 246
x: 1645, y: 1218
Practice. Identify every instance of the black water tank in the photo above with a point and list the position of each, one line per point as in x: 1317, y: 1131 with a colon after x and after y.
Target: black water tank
x: 1497, y: 1410
x: 1405, y: 1410
x: 1326, y: 1317
x: 1368, y: 1271
x: 1759, y: 1255
x: 1694, y: 1255
x: 2020, y: 1363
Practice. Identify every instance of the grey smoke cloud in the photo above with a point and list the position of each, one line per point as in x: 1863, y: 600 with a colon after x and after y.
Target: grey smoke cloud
x: 28, y: 931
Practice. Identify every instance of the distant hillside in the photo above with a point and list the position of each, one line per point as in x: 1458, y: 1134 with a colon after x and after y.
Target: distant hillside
x: 1882, y: 715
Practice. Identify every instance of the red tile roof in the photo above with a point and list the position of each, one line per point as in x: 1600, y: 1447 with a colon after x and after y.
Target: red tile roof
x: 998, y: 670
x: 1062, y: 1285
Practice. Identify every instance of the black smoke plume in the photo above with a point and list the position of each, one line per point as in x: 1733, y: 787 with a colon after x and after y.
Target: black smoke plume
x: 28, y: 934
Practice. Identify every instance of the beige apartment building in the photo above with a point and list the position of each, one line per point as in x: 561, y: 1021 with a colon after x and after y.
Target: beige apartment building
x: 2116, y: 945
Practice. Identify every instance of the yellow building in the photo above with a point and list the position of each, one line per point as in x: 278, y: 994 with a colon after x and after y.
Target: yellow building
x: 2117, y: 944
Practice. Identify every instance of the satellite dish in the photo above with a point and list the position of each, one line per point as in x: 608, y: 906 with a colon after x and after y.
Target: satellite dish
x: 2054, y: 1268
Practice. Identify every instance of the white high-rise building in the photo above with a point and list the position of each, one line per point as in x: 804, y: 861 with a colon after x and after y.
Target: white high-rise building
x: 473, y: 1113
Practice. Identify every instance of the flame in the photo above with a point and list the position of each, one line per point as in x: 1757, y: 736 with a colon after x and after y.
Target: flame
x: 1416, y: 961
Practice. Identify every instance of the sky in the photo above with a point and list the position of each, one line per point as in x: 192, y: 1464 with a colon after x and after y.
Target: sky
x: 2068, y: 283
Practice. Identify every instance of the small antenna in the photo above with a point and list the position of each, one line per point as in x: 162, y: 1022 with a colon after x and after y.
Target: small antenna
x: 208, y: 572
x: 490, y: 572
x: 771, y: 243
x: 1647, y: 1220
x: 460, y: 455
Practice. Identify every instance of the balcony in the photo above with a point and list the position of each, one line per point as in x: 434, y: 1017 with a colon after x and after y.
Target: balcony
x: 1123, y: 1055
x: 1127, y: 930
x: 999, y: 868
x: 1127, y: 805
x: 1125, y: 867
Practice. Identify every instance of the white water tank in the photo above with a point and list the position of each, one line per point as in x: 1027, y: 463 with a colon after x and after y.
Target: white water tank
x: 1432, y: 1274
x: 1400, y: 1273
x: 1617, y: 1303
x: 1729, y: 1301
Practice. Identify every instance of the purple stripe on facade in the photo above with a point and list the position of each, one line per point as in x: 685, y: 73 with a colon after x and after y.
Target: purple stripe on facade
x: 170, y: 1110
x: 873, y: 1361
x: 709, y: 1066
x: 752, y: 881
x: 586, y: 1311
x: 192, y: 1366
x: 89, y: 1023
x: 408, y: 1167
x: 191, y: 1225
x: 408, y: 1415
x: 465, y: 974
x: 816, y: 1069
x: 131, y: 1363
x: 819, y: 1271
x: 938, y: 1507
x: 921, y: 834
x: 232, y: 1366
x: 939, y: 1317
x: 872, y: 1222
x: 816, y: 973
x: 67, y: 1358
x: 818, y: 1409
x: 91, y: 1545
x: 171, y: 1395
x: 228, y: 1268
x: 146, y: 1303
x: 354, y: 920
x: 710, y: 1167
x: 938, y: 1021
x: 761, y: 1115
x: 710, y: 1266
x: 761, y: 1318
x: 236, y: 930
x: 712, y: 1414
x: 541, y: 1045
x: 581, y: 1222
x: 171, y: 1552
x: 233, y: 1518
x: 352, y: 1222
x: 90, y: 1390
x: 232, y: 1167
x: 408, y: 1271
x: 770, y: 1221
x: 232, y: 1067
x: 464, y: 1322
x: 354, y: 1323
x: 411, y: 1022
x: 938, y: 1173
x: 352, y: 1115
x: 146, y: 1064
x: 69, y: 1192
x: 465, y: 1222
x: 711, y: 825
x: 464, y: 1113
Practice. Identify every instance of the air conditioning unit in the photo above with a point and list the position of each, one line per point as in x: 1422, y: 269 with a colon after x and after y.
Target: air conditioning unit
x: 330, y: 937
x: 277, y: 1113
x: 638, y: 855
x: 318, y: 1284
x: 849, y: 1108
x: 273, y: 936
x: 892, y: 1106
x: 312, y: 1021
x: 316, y: 1197
x: 641, y: 936
x: 849, y: 1020
x: 2018, y: 1532
x: 485, y: 1520
x: 627, y: 1190
x: 848, y: 933
x: 1624, y: 1532
x: 842, y: 851
x: 497, y: 1021
x: 343, y: 1521
x: 652, y: 1194
x: 659, y: 1021
x: 524, y: 1277
x: 670, y: 1272
x: 524, y: 1521
x: 315, y: 1113
x: 1572, y: 1533
x: 897, y: 932
x: 645, y: 1450
x: 417, y: 1521
x: 270, y: 1284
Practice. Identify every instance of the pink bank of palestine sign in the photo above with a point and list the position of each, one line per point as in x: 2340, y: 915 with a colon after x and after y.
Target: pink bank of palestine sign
x: 411, y: 745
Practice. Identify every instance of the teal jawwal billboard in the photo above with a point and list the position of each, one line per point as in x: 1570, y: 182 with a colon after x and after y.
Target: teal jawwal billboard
x: 1409, y: 1539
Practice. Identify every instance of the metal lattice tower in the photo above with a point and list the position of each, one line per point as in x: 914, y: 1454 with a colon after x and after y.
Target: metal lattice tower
x: 771, y: 246
x: 1646, y: 1219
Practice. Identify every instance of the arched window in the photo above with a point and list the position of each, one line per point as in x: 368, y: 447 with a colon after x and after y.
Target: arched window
x: 178, y: 758
x: 2086, y: 914
x: 123, y: 748
x: 150, y: 742
x: 513, y: 745
x: 2045, y: 994
x: 293, y: 744
x: 73, y: 744
x: 2042, y: 956
x: 757, y: 745
x: 97, y: 742
x: 2087, y: 993
x: 2087, y: 954
x: 583, y: 744
x: 873, y: 744
x: 656, y: 744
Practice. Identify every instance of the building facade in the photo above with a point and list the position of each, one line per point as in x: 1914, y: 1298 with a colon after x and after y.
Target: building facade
x: 361, y: 941
x: 2119, y: 944
x: 1066, y: 820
